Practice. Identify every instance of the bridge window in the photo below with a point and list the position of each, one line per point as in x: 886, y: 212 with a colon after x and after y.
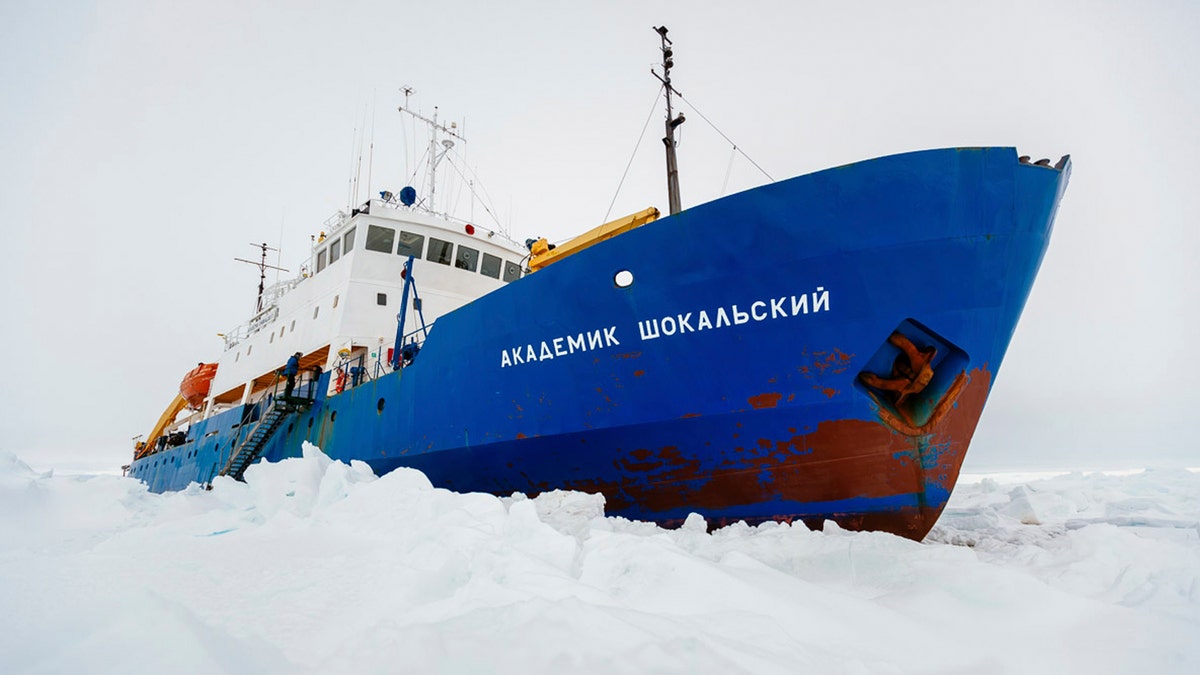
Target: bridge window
x: 348, y: 241
x: 512, y: 271
x: 467, y: 259
x: 441, y: 252
x: 490, y: 266
x: 335, y: 251
x: 410, y: 244
x: 380, y: 238
x: 321, y: 260
x: 381, y: 299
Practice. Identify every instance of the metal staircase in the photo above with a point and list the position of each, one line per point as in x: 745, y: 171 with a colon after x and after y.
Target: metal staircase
x: 271, y: 420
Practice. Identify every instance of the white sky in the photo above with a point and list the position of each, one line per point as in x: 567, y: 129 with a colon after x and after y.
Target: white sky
x: 144, y: 145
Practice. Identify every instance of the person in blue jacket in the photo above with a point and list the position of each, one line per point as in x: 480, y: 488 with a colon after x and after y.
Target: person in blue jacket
x: 290, y: 371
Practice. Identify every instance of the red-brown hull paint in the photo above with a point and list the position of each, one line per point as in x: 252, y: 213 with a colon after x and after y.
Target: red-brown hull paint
x: 840, y: 460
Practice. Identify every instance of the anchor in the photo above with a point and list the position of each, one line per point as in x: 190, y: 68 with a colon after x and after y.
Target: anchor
x: 911, y: 371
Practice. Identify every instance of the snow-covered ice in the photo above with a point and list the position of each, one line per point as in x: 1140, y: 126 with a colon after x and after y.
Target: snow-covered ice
x: 316, y: 566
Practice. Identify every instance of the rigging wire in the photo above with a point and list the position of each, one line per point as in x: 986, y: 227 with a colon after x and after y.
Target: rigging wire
x: 486, y: 197
x: 729, y: 170
x: 417, y: 166
x: 458, y: 187
x: 727, y: 139
x: 458, y: 170
x: 634, y: 154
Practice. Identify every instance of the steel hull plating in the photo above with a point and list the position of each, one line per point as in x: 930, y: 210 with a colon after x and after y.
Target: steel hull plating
x: 728, y: 378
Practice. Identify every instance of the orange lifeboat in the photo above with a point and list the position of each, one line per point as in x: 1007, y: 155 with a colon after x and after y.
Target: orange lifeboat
x: 196, y: 383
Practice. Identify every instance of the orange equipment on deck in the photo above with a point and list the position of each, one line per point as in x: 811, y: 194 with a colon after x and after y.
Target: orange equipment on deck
x: 196, y: 383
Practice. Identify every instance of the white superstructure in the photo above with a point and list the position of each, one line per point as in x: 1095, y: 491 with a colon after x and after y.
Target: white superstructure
x: 344, y: 306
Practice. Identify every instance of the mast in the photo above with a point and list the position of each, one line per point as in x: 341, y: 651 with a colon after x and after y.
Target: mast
x: 671, y: 122
x: 262, y: 270
x: 435, y: 157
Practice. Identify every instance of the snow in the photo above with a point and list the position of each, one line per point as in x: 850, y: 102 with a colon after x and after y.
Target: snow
x: 313, y: 566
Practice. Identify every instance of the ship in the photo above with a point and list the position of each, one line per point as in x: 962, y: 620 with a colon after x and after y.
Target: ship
x: 815, y: 349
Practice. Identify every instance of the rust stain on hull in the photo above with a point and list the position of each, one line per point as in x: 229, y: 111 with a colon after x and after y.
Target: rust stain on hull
x: 769, y: 400
x: 840, y: 460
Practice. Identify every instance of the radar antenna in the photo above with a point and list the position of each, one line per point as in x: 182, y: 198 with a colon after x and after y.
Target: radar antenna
x: 262, y: 270
x: 671, y: 122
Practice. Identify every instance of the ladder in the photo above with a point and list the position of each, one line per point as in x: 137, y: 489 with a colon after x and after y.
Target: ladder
x: 252, y: 447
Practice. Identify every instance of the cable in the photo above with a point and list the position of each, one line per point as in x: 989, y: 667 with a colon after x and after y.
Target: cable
x: 729, y: 140
x: 458, y: 170
x: 477, y: 181
x: 635, y: 149
x: 729, y: 170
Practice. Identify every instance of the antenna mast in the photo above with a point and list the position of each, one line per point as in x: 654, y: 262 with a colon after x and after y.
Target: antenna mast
x: 408, y: 152
x: 671, y: 122
x: 435, y: 157
x: 262, y: 270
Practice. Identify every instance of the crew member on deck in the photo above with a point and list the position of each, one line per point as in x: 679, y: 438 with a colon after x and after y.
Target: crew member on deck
x: 316, y: 378
x: 290, y: 370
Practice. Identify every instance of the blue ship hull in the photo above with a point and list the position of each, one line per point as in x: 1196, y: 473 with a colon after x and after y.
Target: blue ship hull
x: 733, y: 377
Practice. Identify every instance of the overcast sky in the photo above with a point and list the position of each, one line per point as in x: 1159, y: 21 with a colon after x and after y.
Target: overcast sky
x: 144, y: 145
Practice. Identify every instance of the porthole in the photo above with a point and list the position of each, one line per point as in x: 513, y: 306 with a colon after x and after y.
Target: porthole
x: 316, y: 310
x: 310, y: 422
x: 333, y: 416
x: 623, y: 279
x: 380, y: 406
x: 290, y: 425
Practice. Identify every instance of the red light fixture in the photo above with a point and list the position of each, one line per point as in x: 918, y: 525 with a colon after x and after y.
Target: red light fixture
x: 470, y: 228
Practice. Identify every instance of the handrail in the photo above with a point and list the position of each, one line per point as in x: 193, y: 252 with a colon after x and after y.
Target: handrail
x: 306, y: 382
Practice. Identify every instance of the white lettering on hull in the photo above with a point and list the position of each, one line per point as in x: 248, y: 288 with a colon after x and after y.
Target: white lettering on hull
x: 555, y: 348
x: 675, y: 323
